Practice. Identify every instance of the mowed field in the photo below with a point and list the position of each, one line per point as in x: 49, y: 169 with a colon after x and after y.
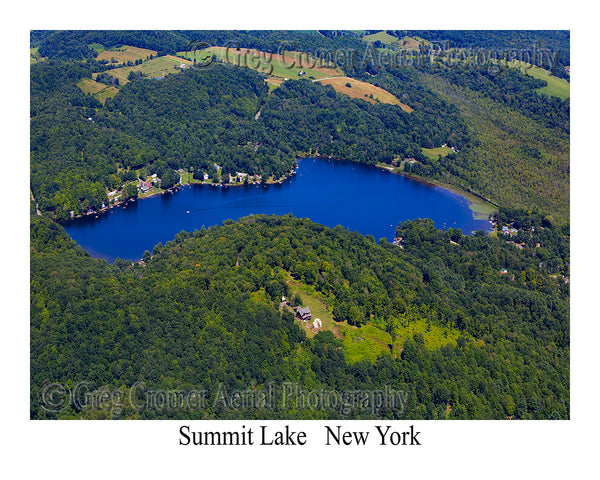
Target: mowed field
x: 363, y: 90
x: 126, y: 54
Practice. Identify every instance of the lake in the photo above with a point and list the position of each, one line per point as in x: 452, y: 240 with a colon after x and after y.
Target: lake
x: 359, y: 197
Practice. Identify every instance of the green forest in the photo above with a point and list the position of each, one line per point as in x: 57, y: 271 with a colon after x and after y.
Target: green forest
x: 472, y: 326
x: 204, y: 310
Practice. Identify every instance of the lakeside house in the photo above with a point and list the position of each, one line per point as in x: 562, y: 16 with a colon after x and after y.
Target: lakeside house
x: 303, y: 313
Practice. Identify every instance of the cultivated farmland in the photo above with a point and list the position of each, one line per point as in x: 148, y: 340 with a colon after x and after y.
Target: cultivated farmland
x: 364, y: 91
x: 126, y: 54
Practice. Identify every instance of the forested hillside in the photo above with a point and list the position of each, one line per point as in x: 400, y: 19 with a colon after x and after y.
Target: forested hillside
x: 81, y: 149
x: 511, y: 141
x: 205, y: 310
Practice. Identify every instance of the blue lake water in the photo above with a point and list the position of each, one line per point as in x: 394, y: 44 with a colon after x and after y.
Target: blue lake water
x: 358, y: 197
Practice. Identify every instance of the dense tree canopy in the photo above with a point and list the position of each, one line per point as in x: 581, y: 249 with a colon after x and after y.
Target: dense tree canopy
x: 203, y: 310
x: 194, y: 315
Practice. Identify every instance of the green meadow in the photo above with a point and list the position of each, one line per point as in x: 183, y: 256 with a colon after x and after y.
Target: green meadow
x: 556, y: 87
x: 382, y: 36
x: 433, y: 153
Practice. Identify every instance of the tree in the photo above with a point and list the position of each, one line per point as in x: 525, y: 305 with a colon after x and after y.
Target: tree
x: 169, y: 179
x: 130, y: 191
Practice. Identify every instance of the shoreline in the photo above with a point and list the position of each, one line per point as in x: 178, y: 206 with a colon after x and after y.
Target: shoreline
x: 172, y: 190
x: 479, y: 205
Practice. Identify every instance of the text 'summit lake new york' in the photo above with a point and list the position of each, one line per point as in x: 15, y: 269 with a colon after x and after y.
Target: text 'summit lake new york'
x: 358, y: 197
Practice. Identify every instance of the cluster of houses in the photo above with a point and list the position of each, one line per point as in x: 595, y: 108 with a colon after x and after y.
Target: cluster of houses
x: 509, y: 230
x: 148, y: 184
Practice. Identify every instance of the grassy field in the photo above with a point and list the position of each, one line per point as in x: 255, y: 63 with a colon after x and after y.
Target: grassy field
x: 434, y: 335
x: 97, y: 89
x: 364, y: 343
x: 317, y: 305
x: 34, y: 56
x: 125, y: 54
x: 368, y: 341
x: 434, y: 152
x: 158, y: 67
x: 363, y: 90
x: 382, y: 36
x: 557, y: 87
x: 97, y: 47
x: 275, y: 66
x: 276, y: 70
x: 409, y: 43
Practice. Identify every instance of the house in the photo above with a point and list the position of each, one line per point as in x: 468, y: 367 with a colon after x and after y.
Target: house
x: 503, y: 271
x: 303, y: 313
x: 317, y: 323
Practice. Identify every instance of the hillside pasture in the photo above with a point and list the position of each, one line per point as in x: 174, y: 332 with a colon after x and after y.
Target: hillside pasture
x: 382, y: 36
x: 556, y: 87
x: 291, y: 66
x: 158, y: 67
x: 125, y: 54
x: 363, y: 90
x: 99, y: 90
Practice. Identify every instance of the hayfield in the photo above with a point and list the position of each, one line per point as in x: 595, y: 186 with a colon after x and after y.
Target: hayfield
x: 125, y: 54
x: 364, y: 91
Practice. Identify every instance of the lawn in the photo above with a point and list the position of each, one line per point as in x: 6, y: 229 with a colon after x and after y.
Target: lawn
x: 318, y: 308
